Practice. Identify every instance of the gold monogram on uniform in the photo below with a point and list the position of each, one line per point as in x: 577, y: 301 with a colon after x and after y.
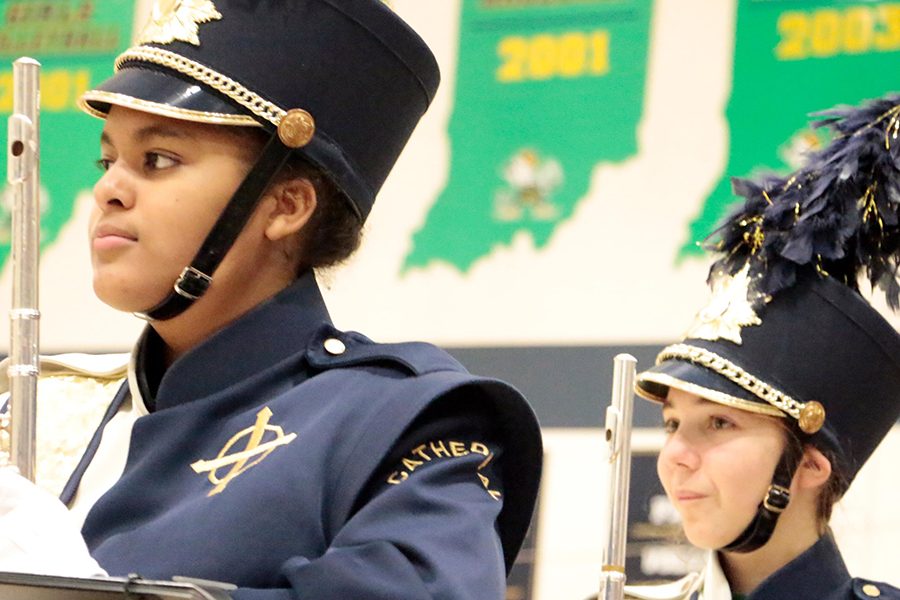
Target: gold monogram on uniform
x: 444, y: 450
x: 261, y: 440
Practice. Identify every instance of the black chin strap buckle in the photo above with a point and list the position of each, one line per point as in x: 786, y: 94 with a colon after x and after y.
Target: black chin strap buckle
x: 777, y: 498
x: 192, y: 283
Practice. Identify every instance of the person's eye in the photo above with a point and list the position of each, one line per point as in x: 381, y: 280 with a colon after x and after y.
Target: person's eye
x: 103, y: 164
x: 670, y: 425
x: 720, y: 423
x: 154, y: 161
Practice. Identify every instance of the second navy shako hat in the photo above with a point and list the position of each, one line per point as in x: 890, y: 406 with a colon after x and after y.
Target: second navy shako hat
x: 787, y: 332
x: 354, y: 78
x: 817, y: 354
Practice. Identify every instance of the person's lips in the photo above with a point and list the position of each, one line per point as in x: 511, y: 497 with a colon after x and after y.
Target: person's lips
x: 688, y: 495
x: 107, y: 236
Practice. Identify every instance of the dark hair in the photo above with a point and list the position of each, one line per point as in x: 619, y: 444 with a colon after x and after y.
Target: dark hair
x: 832, y: 491
x: 334, y: 230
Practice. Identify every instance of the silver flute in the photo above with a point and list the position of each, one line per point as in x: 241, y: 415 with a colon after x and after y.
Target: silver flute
x: 618, y: 439
x: 23, y: 149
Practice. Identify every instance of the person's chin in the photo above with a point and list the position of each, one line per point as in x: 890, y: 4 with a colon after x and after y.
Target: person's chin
x: 122, y: 296
x: 708, y: 542
x: 708, y: 536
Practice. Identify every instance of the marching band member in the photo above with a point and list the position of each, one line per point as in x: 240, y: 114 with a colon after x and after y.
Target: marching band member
x: 253, y: 442
x: 788, y: 379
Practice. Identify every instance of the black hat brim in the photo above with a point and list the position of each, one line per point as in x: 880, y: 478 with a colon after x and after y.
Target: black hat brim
x: 166, y: 94
x: 654, y: 385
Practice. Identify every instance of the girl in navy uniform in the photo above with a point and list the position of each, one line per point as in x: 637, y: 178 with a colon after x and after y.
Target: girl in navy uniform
x: 253, y: 442
x: 788, y: 379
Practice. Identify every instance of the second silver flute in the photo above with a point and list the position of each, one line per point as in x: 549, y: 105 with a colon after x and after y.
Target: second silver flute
x: 618, y: 439
x: 23, y: 175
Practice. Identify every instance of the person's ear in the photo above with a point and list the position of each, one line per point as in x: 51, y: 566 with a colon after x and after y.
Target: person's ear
x: 294, y: 203
x: 814, y: 470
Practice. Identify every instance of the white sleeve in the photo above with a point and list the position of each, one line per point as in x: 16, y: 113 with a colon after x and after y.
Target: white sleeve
x: 37, y: 532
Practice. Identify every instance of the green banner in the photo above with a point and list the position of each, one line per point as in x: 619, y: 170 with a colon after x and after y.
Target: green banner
x: 793, y: 58
x: 76, y: 42
x: 545, y: 91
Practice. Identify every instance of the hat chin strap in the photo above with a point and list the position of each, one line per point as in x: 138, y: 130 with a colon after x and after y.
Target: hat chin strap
x: 777, y: 499
x: 196, y: 278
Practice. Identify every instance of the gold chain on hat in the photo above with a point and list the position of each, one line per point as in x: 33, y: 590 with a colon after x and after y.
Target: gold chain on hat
x: 215, y: 80
x: 810, y: 415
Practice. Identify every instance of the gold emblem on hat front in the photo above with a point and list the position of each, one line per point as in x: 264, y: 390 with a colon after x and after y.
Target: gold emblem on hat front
x: 728, y: 311
x: 178, y: 21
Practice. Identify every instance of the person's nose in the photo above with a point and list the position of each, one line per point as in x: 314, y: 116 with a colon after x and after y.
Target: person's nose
x: 114, y: 189
x: 680, y: 451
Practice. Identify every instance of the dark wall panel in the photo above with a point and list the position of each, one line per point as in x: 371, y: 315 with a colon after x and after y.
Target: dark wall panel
x: 568, y: 386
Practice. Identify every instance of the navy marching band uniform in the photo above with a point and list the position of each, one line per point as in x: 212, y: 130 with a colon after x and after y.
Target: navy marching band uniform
x: 817, y: 574
x: 368, y: 470
x: 280, y: 454
x: 820, y: 573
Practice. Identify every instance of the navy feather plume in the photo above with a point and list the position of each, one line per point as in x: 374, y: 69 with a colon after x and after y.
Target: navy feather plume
x: 838, y: 215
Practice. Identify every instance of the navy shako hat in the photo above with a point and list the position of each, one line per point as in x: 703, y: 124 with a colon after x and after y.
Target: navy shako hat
x: 820, y: 355
x: 787, y: 332
x: 352, y: 76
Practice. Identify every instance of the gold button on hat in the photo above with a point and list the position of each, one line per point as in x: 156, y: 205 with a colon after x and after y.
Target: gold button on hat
x: 871, y: 591
x: 296, y: 128
x: 334, y: 346
x: 812, y: 417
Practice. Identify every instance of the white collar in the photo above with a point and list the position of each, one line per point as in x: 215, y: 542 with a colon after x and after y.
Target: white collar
x: 715, y: 585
